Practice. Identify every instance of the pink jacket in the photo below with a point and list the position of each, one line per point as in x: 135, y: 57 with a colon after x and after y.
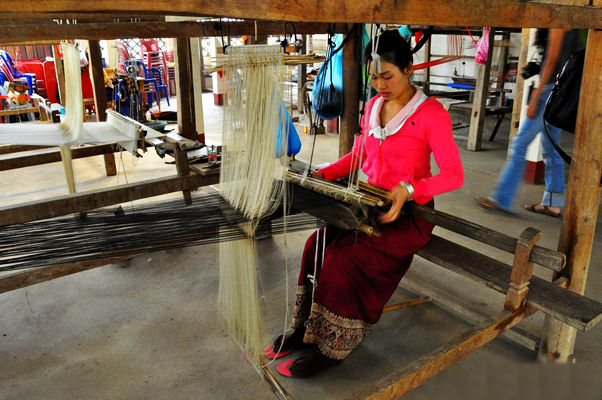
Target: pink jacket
x: 405, y: 156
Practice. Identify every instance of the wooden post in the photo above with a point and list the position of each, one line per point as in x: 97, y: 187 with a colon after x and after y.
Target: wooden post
x: 522, y: 270
x: 202, y: 66
x: 60, y: 73
x: 501, y: 72
x: 197, y: 83
x: 98, y: 83
x: 520, y: 84
x: 100, y: 96
x: 182, y: 167
x: 301, y: 80
x: 185, y: 89
x: 350, y: 125
x: 427, y: 76
x: 582, y: 194
x: 477, y: 118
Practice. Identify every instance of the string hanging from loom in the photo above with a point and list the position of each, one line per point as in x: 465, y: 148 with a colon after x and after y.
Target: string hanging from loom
x: 254, y: 158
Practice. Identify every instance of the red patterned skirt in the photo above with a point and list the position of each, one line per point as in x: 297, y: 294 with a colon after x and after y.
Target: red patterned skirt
x: 356, y: 276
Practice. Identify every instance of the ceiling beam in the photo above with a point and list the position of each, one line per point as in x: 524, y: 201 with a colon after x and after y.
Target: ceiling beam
x: 102, y: 30
x: 499, y: 13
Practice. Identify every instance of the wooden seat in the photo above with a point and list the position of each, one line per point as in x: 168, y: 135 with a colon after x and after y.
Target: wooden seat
x: 571, y: 308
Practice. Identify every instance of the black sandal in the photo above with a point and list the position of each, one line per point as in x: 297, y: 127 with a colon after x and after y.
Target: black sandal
x: 544, y: 210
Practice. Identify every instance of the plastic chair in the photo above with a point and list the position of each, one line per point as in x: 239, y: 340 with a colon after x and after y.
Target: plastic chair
x: 29, y: 77
x: 158, y: 75
x: 37, y: 68
x: 149, y: 45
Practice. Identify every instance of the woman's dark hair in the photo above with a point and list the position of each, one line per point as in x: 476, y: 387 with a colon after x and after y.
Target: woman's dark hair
x: 392, y: 48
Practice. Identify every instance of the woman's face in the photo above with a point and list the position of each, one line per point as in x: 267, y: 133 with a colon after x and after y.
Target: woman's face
x: 391, y: 83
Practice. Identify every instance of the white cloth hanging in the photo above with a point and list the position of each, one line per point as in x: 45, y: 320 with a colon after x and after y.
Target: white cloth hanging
x: 117, y: 129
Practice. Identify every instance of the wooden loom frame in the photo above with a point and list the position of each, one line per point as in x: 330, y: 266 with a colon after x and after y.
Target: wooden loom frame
x: 188, y: 178
x: 582, y: 194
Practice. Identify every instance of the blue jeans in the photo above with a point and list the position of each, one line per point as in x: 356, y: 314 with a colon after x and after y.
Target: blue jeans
x: 514, y: 169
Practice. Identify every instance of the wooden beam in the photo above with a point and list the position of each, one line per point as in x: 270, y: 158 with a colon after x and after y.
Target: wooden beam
x: 519, y: 87
x: 427, y: 76
x: 97, y: 77
x: 540, y: 255
x: 185, y: 89
x: 23, y: 279
x: 16, y: 148
x: 502, y: 68
x: 183, y: 168
x: 505, y: 13
x: 48, y: 31
x: 551, y: 259
x: 407, y: 304
x: 80, y: 17
x: 578, y: 311
x: 90, y: 200
x: 416, y: 373
x: 468, y: 311
x: 522, y: 270
x: 198, y: 77
x: 51, y: 155
x: 301, y: 79
x: 479, y: 101
x: 100, y: 97
x: 350, y: 121
x: 583, y: 192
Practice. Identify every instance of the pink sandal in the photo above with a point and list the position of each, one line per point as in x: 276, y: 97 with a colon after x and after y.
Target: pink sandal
x: 284, y: 368
x: 269, y: 352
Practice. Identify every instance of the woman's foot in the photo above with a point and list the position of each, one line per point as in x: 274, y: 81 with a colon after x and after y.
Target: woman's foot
x: 308, y: 366
x: 541, y: 209
x: 293, y: 340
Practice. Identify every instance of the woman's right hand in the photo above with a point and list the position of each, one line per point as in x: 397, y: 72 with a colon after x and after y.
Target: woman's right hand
x: 317, y: 174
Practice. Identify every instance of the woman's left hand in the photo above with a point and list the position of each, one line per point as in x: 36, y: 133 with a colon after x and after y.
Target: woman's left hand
x: 398, y: 197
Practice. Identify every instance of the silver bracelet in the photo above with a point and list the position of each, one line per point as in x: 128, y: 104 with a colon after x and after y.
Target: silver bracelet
x: 409, y: 188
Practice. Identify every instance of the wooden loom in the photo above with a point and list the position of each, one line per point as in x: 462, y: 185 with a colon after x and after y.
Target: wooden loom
x: 583, y: 194
x: 525, y: 294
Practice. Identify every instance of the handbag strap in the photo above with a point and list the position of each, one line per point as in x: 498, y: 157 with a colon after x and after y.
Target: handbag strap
x: 567, y: 159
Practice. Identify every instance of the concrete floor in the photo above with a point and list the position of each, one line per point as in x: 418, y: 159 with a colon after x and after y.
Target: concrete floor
x: 149, y: 330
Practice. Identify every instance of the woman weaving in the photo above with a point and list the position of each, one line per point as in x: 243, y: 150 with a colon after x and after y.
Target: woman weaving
x: 358, y: 273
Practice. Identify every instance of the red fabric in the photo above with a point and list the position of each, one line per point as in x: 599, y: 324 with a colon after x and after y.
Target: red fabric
x: 418, y: 35
x: 361, y: 272
x: 87, y: 90
x: 406, y: 155
x: 50, y: 81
